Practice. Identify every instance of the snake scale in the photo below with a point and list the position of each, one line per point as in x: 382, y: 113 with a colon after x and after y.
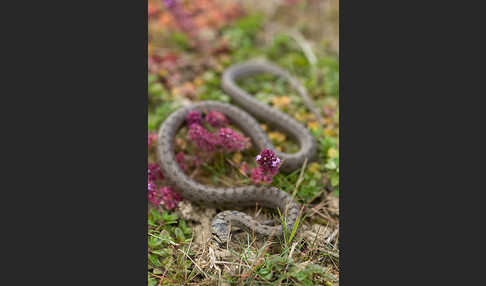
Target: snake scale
x: 243, y: 196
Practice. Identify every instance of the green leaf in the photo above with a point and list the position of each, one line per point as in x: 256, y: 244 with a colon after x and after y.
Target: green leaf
x: 152, y: 282
x: 154, y: 260
x: 294, y: 229
x: 185, y: 229
x: 301, y: 275
x: 152, y: 78
x: 335, y: 180
x: 179, y: 234
x: 169, y: 218
x: 330, y: 165
x: 155, y: 88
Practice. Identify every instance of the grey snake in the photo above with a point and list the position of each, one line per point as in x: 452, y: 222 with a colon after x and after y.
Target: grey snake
x: 243, y: 196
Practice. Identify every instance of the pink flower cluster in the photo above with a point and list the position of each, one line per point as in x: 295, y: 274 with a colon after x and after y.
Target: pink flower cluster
x: 226, y: 138
x: 216, y: 119
x: 193, y: 117
x: 154, y: 195
x: 157, y: 195
x: 202, y: 137
x: 231, y: 140
x: 268, y: 164
x: 170, y: 198
x: 268, y: 161
x: 181, y: 160
x: 154, y: 172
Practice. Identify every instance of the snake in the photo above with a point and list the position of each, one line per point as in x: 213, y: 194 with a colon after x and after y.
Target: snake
x: 245, y: 118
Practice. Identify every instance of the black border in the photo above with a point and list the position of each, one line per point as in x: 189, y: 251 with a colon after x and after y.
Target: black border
x: 78, y: 208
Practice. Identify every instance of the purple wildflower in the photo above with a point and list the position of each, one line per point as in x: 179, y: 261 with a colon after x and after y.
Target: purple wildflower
x: 181, y: 160
x: 151, y: 186
x: 193, y: 117
x: 170, y: 3
x: 268, y: 161
x: 259, y: 176
x: 216, y: 119
x: 231, y: 140
x: 203, y: 138
x: 268, y: 164
x: 154, y: 195
x: 182, y: 18
x: 154, y: 172
x: 170, y: 198
x: 276, y: 163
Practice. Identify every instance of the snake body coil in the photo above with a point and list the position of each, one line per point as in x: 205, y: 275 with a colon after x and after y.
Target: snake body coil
x: 270, y: 197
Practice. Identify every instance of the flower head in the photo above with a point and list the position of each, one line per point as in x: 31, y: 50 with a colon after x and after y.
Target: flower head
x: 170, y: 198
x: 216, y: 119
x: 231, y: 140
x: 154, y: 172
x: 267, y: 168
x: 154, y: 195
x: 181, y: 160
x: 268, y: 161
x: 203, y: 138
x: 259, y: 176
x: 193, y: 117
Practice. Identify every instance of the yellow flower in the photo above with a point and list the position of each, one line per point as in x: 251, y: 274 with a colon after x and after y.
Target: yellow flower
x: 299, y: 117
x: 311, y: 117
x: 313, y: 125
x: 175, y: 91
x: 332, y: 153
x: 278, y: 148
x: 329, y: 132
x: 326, y: 121
x: 237, y: 158
x: 162, y: 72
x: 264, y: 127
x: 198, y: 81
x: 314, y: 168
x: 277, y: 136
x: 282, y: 101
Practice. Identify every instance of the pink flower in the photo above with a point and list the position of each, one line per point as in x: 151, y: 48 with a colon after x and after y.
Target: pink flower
x: 259, y: 176
x: 268, y: 161
x: 170, y: 198
x: 180, y: 160
x: 193, y: 117
x: 231, y: 140
x: 268, y: 164
x: 154, y: 195
x: 154, y: 172
x: 203, y: 138
x: 216, y: 119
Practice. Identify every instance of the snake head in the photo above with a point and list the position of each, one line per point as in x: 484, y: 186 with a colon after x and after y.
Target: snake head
x: 220, y: 231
